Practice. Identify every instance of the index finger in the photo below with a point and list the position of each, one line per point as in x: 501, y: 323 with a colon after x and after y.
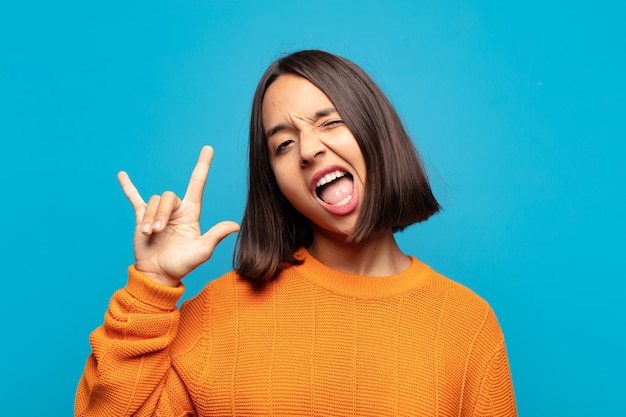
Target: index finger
x: 195, y: 189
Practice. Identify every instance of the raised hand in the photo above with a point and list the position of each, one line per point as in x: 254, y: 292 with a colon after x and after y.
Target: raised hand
x: 168, y: 241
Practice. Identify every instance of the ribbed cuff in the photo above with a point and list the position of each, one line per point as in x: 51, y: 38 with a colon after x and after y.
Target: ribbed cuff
x: 149, y: 292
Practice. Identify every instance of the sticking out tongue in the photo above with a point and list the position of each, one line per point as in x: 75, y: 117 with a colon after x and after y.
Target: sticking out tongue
x: 336, y: 191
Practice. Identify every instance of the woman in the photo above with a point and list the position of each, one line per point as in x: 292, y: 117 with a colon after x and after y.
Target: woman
x: 324, y: 314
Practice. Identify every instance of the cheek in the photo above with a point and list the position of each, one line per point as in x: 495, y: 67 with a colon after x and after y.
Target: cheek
x: 350, y: 150
x: 294, y: 191
x: 285, y: 181
x: 289, y: 188
x: 286, y: 172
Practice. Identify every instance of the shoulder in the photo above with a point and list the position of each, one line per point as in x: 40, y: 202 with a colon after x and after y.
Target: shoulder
x: 462, y: 310
x: 455, y: 294
x: 197, y: 314
x: 224, y: 296
x: 224, y: 287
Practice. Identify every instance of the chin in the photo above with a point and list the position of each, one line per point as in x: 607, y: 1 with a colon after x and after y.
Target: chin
x: 336, y: 234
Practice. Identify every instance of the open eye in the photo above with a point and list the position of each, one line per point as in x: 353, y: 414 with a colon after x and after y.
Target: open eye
x: 283, y: 146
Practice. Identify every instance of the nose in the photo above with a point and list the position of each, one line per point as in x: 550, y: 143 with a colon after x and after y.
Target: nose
x: 311, y: 147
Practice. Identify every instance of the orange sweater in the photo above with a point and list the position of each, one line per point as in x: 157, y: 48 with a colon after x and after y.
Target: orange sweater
x: 314, y: 342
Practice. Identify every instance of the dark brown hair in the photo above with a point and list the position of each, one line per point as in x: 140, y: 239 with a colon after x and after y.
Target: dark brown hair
x: 271, y: 229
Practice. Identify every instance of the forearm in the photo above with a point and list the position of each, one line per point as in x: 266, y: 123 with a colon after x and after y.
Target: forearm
x: 130, y: 356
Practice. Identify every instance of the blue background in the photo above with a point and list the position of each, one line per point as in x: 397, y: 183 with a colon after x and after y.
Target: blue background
x: 518, y: 110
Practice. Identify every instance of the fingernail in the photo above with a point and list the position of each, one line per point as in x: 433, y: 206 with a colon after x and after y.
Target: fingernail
x: 145, y: 228
x: 157, y: 225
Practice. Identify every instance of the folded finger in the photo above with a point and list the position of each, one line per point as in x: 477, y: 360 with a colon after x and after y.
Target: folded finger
x: 168, y: 203
x: 150, y: 214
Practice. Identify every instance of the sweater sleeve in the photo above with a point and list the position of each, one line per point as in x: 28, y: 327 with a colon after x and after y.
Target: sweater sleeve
x: 496, y: 397
x: 129, y: 371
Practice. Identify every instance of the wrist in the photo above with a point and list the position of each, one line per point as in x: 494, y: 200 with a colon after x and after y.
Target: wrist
x: 157, y: 278
x: 151, y: 293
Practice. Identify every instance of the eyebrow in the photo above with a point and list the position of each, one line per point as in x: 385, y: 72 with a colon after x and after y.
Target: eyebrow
x: 318, y: 115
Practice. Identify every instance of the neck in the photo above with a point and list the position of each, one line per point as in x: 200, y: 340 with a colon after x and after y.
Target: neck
x: 378, y: 256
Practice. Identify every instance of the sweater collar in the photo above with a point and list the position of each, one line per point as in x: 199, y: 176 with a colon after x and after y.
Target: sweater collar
x: 361, y: 286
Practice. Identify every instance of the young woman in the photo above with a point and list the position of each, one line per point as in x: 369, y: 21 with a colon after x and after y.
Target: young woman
x: 324, y: 314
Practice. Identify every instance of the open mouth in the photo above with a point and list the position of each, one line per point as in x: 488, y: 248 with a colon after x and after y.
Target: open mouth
x: 335, y: 188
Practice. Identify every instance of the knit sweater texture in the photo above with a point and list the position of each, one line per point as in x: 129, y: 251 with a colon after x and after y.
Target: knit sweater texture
x: 313, y: 342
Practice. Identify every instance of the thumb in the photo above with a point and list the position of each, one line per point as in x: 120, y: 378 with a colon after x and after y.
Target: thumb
x: 216, y: 234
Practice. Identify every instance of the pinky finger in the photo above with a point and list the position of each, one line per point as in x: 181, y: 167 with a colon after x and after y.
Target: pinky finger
x: 131, y: 192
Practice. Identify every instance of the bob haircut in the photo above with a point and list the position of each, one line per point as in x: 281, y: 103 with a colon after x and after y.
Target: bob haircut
x: 397, y: 190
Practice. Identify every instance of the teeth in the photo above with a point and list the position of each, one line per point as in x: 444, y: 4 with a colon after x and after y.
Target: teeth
x: 344, y: 201
x: 331, y: 176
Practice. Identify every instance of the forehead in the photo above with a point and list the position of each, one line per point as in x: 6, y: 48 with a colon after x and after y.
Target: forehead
x: 291, y: 96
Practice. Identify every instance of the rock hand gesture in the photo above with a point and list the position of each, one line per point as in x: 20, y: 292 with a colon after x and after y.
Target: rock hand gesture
x: 168, y: 242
